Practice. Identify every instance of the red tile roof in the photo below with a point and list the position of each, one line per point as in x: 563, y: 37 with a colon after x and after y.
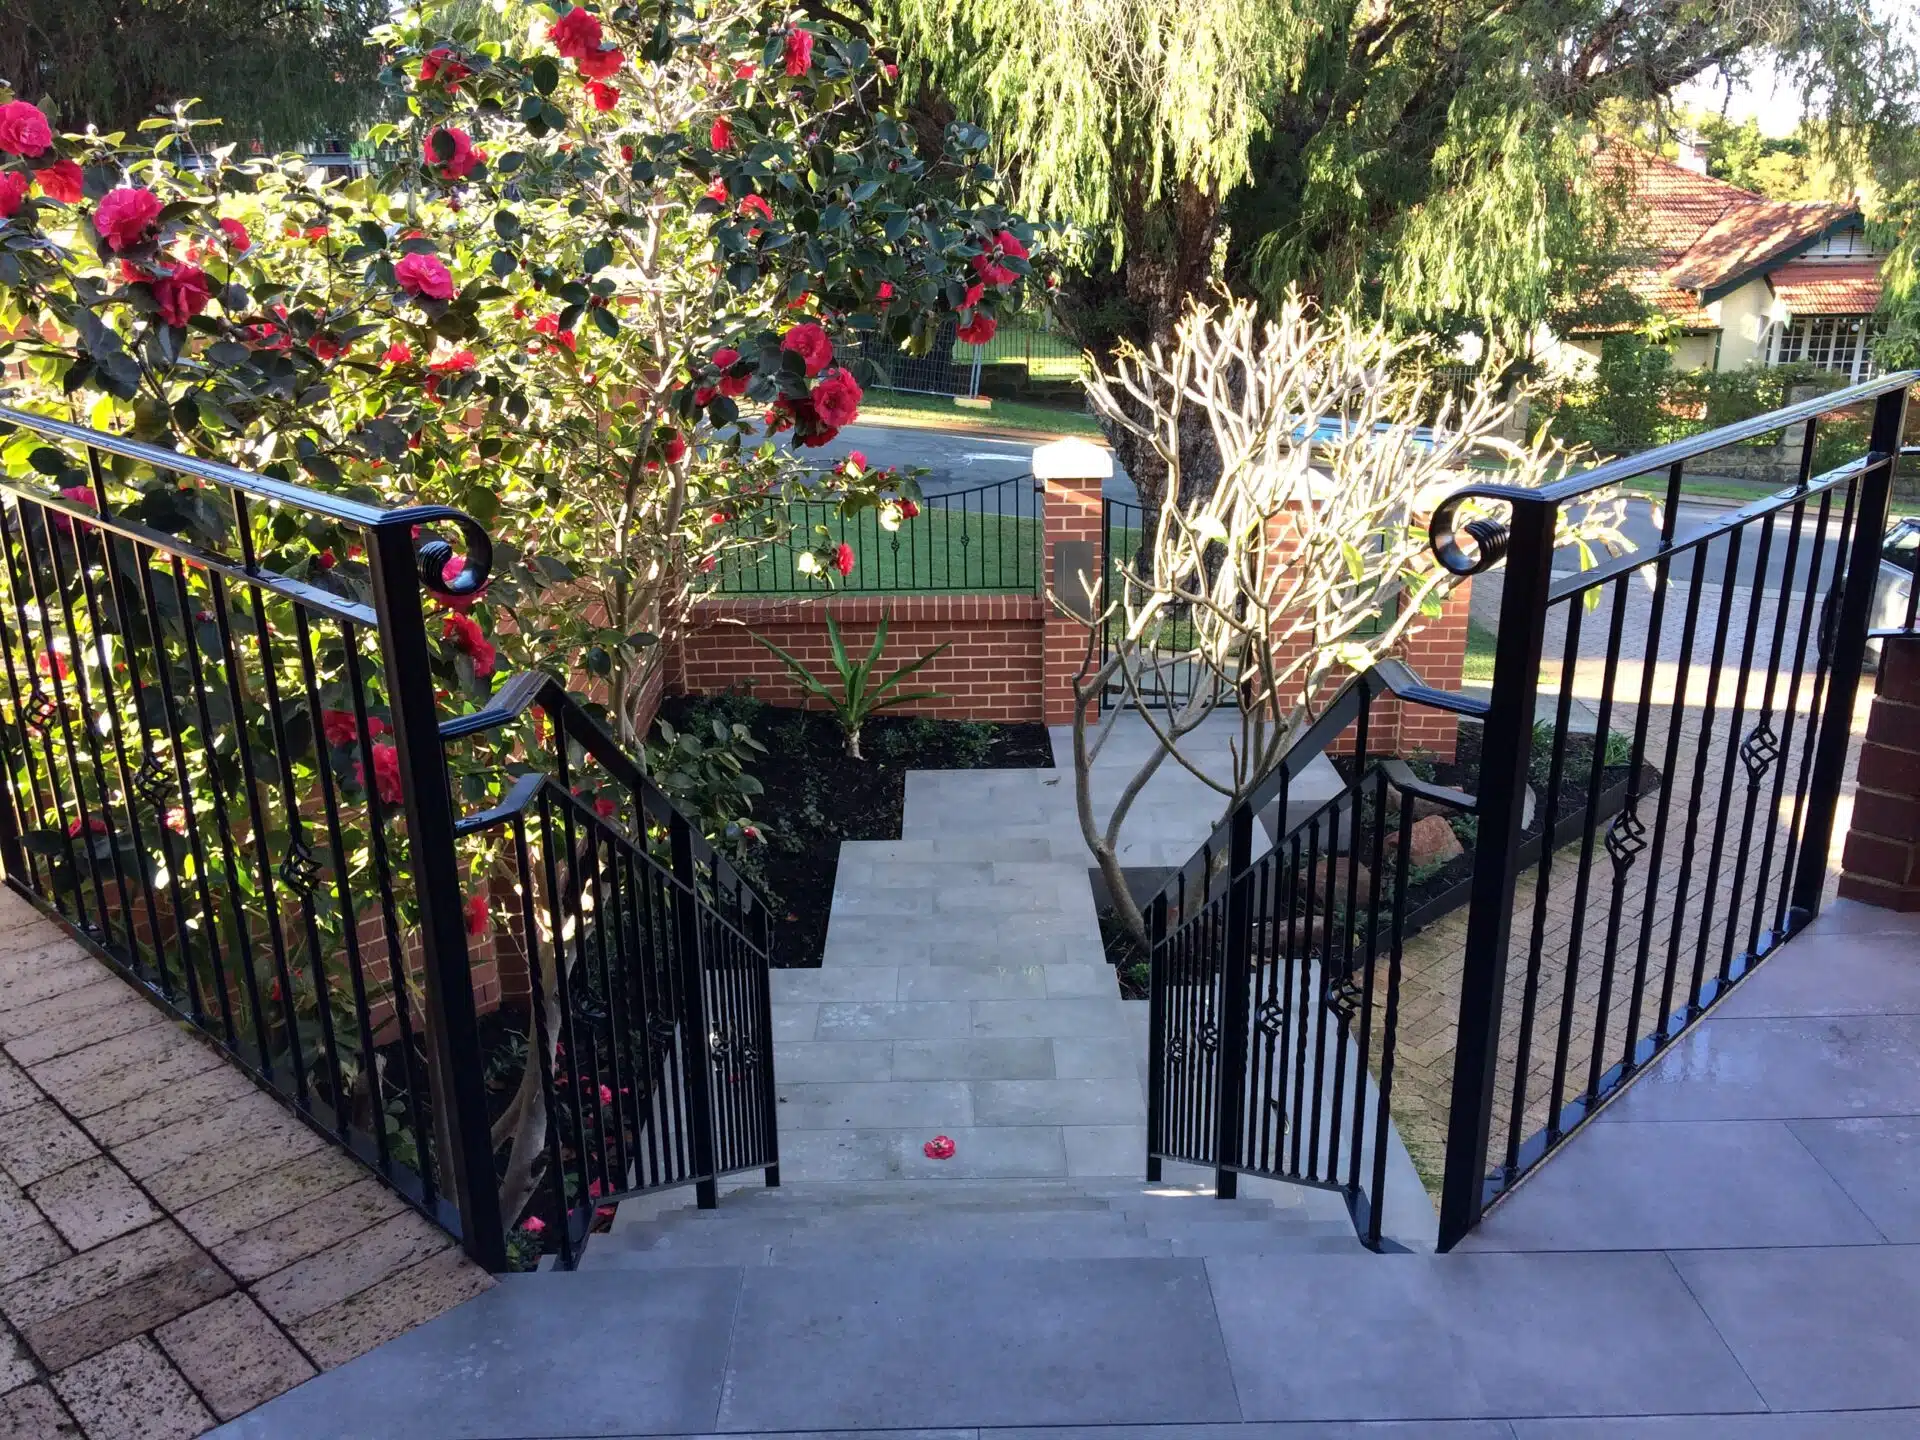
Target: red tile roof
x: 1746, y: 236
x: 1828, y: 287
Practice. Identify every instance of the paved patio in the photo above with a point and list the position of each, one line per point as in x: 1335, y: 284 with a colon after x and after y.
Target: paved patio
x: 175, y: 1247
x: 1737, y: 1259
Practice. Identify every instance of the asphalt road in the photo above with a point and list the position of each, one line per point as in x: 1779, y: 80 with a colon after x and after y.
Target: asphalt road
x: 1711, y: 563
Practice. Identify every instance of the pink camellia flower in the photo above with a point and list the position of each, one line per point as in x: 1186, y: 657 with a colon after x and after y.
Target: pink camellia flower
x: 424, y: 275
x: 533, y: 1225
x: 812, y: 344
x: 451, y: 572
x: 386, y: 774
x: 843, y: 559
x: 183, y: 294
x: 575, y: 33
x: 893, y: 70
x: 735, y: 385
x: 977, y: 331
x: 721, y: 135
x: 938, y: 1148
x: 176, y: 819
x: 461, y: 163
x: 13, y: 193
x: 855, y: 463
x: 126, y: 216
x: 442, y: 65
x: 601, y: 64
x: 62, y: 181
x: 604, y: 97
x: 606, y: 1095
x: 238, y: 240
x: 836, y: 399
x: 23, y: 129
x: 477, y: 914
x: 77, y: 495
x: 799, y: 51
x: 756, y: 205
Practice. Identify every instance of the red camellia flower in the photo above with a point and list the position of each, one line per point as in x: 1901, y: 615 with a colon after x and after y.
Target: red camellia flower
x: 977, y: 331
x: 721, y: 135
x: 885, y: 292
x: 466, y: 636
x: 836, y: 399
x: 456, y: 362
x: 238, y: 240
x: 734, y: 385
x: 676, y: 448
x: 856, y: 462
x: 604, y: 97
x: 1009, y: 244
x: 451, y: 572
x: 745, y: 70
x: 938, y: 1148
x: 601, y: 64
x: 843, y: 559
x: 78, y: 495
x: 975, y: 294
x: 326, y: 348
x: 13, y: 193
x: 397, y: 354
x: 477, y: 914
x: 62, y: 181
x: 575, y: 33
x: 799, y: 51
x: 52, y: 662
x: 423, y: 274
x: 176, y: 819
x: 386, y: 774
x: 717, y: 191
x: 549, y: 325
x: 341, y: 728
x: 909, y: 509
x: 183, y: 294
x: 23, y: 129
x: 124, y: 217
x: 756, y: 205
x: 812, y: 344
x: 93, y: 824
x: 606, y: 807
x: 461, y: 163
x: 440, y: 64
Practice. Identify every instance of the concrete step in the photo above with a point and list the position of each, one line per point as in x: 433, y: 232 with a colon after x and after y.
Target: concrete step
x: 598, y: 1257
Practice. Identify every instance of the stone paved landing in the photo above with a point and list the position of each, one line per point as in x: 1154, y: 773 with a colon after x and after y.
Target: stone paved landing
x: 175, y: 1247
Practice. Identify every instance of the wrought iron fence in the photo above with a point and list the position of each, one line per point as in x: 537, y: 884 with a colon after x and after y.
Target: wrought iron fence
x: 1661, y: 756
x: 985, y: 538
x: 225, y: 771
x: 1162, y: 658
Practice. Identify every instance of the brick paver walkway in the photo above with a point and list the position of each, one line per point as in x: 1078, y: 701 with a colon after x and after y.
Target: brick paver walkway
x: 1573, y: 937
x: 175, y: 1247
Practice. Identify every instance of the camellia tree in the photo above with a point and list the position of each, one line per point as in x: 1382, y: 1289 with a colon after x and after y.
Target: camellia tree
x: 593, y: 304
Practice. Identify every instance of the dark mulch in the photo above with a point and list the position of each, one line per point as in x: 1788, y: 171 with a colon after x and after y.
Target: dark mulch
x: 816, y: 795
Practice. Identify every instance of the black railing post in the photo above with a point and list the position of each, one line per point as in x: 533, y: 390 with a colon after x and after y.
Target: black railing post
x: 1506, y: 748
x: 1235, y: 972
x: 697, y: 1045
x: 769, y: 1089
x: 456, y: 1067
x: 1156, y: 1033
x: 1849, y: 653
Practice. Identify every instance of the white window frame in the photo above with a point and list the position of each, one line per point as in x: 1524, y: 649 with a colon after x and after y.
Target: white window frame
x: 1838, y: 343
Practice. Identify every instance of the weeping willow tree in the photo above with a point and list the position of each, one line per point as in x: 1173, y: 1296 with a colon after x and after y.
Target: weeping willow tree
x: 1427, y: 163
x: 283, y: 72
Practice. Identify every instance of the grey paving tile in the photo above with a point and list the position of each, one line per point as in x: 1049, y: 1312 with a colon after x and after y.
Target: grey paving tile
x: 893, y: 1020
x: 1089, y: 1017
x: 886, y: 1105
x: 1825, y: 1425
x: 1877, y: 1162
x: 1817, y: 1329
x: 794, y: 1022
x: 1832, y: 974
x: 506, y: 1349
x: 901, y: 1345
x: 839, y: 982
x: 984, y: 982
x: 1764, y: 1069
x: 1267, y: 1430
x: 1081, y: 1057
x: 1341, y: 1337
x: 1018, y: 1058
x: 1106, y: 1149
x: 1851, y: 917
x: 809, y: 1060
x: 827, y: 1155
x: 1692, y: 1184
x: 872, y: 900
x: 989, y: 1152
x: 1072, y: 980
x: 1058, y: 1102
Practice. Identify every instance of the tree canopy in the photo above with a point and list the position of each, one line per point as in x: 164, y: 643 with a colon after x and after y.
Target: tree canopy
x: 283, y: 72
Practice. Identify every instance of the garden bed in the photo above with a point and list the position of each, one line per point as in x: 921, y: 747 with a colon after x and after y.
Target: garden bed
x: 815, y: 795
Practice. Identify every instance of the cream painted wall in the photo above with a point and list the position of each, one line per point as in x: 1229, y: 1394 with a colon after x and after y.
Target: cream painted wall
x: 1745, y: 317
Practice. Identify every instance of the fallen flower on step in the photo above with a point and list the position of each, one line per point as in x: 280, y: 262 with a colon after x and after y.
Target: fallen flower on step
x: 938, y: 1148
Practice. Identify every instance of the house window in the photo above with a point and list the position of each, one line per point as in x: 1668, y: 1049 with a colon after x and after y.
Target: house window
x: 1842, y: 245
x: 1841, y: 343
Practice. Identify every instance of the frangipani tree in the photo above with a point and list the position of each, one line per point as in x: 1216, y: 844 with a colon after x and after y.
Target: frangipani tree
x: 1305, y: 563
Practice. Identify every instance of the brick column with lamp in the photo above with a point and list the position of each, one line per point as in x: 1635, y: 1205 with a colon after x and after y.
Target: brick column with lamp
x: 1073, y: 474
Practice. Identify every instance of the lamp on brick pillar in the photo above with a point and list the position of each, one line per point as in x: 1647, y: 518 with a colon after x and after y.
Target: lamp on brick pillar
x: 1073, y: 474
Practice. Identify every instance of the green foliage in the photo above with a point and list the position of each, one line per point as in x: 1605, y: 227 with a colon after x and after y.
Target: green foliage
x: 860, y: 693
x: 706, y: 775
x: 281, y: 75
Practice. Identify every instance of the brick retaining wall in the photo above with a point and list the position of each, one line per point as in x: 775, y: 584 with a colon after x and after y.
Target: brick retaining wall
x: 1881, y: 863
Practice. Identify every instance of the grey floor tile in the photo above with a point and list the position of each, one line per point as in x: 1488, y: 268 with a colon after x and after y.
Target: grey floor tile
x: 1051, y: 1017
x: 809, y: 1060
x: 863, y: 1155
x: 990, y: 1152
x: 1826, y: 1425
x: 1877, y: 1162
x: 1074, y: 980
x: 1106, y: 1149
x: 1408, y: 1337
x: 893, y: 1020
x: 983, y: 982
x: 1270, y: 1430
x: 1692, y: 1184
x: 1058, y: 1102
x: 538, y: 1355
x: 1833, y: 974
x: 875, y: 1105
x: 1034, y: 1342
x: 1851, y: 917
x: 1081, y: 1057
x: 794, y: 1022
x: 1768, y: 1069
x: 1017, y: 1058
x: 1817, y: 1329
x: 835, y: 982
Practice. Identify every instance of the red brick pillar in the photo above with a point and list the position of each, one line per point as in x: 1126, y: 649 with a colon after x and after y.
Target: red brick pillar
x: 1437, y: 653
x: 1073, y: 473
x: 1881, y: 864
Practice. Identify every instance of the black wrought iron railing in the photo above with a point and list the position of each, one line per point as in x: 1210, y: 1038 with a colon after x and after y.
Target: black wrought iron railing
x: 1650, y: 803
x: 225, y: 771
x: 984, y: 539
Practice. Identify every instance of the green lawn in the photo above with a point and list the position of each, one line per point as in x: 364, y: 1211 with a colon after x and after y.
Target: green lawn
x: 938, y: 549
x: 882, y: 406
x: 1478, y: 669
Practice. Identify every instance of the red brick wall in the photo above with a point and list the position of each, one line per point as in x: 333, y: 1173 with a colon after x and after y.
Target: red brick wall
x: 990, y: 672
x: 1074, y: 511
x: 1881, y: 863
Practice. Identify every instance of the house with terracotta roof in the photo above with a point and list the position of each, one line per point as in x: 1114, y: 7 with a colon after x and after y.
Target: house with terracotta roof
x: 1741, y: 278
